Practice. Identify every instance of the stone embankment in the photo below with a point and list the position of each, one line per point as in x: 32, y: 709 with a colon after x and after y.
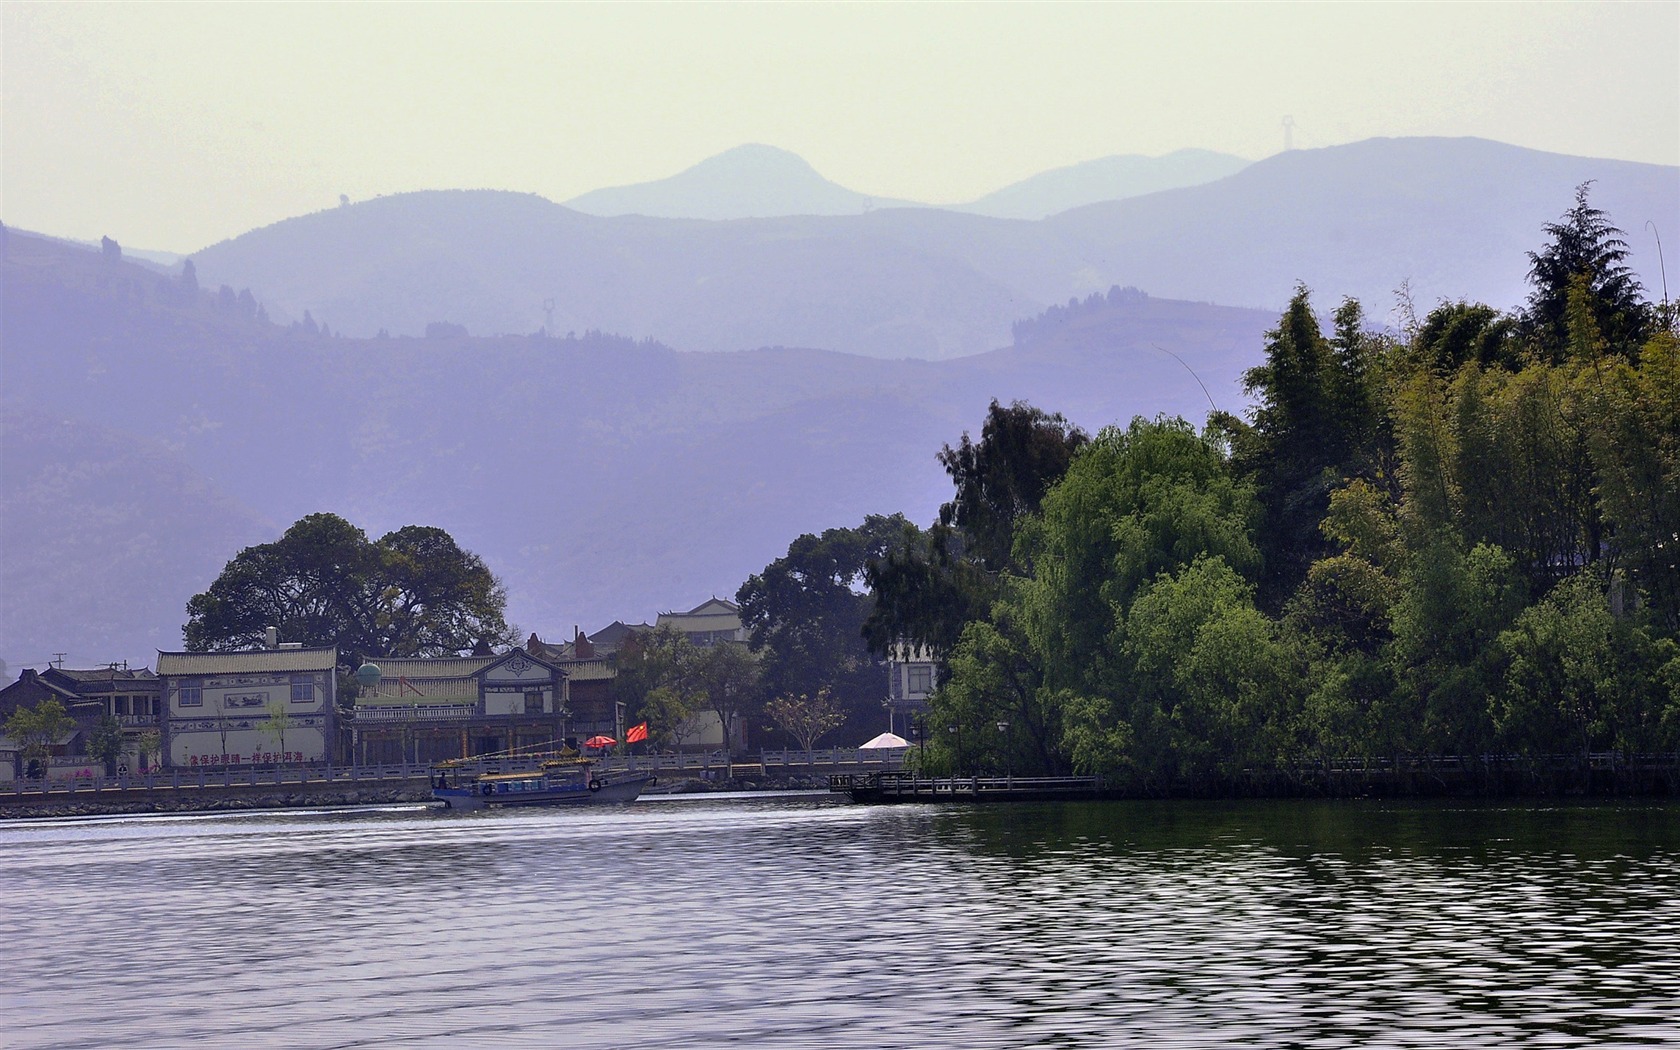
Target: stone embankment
x: 234, y: 799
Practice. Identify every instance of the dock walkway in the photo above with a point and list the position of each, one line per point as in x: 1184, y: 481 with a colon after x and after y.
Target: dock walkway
x: 909, y: 787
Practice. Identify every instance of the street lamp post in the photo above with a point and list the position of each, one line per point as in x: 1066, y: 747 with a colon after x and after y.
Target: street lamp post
x: 1008, y: 753
x: 618, y: 725
x: 956, y: 735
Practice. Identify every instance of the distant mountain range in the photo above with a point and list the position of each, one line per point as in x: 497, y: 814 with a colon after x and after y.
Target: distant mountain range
x: 1104, y: 179
x: 1452, y: 218
x: 761, y: 182
x: 747, y: 182
x: 149, y: 434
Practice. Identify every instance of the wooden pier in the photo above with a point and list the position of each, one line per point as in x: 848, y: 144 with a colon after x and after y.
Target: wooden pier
x: 909, y: 787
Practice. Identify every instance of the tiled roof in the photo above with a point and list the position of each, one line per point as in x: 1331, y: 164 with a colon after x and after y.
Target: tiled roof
x: 393, y: 667
x: 248, y: 661
x: 102, y: 674
x: 589, y: 670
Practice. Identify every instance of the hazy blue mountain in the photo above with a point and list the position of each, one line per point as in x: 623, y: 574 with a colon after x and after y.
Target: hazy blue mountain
x: 98, y: 529
x: 760, y: 182
x: 747, y: 182
x: 1454, y: 217
x: 602, y: 478
x: 1103, y: 179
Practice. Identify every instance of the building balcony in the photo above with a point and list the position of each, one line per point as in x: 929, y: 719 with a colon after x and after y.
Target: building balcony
x: 430, y: 713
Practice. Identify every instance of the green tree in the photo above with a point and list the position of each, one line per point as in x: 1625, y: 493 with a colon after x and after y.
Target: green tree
x: 1002, y: 478
x: 1314, y: 423
x: 730, y: 678
x: 1050, y: 657
x: 805, y: 717
x: 1578, y: 679
x: 1451, y: 607
x: 670, y: 712
x: 1455, y: 334
x: 38, y: 729
x: 1635, y: 444
x: 1585, y: 246
x: 933, y: 584
x: 1134, y: 504
x: 658, y: 677
x: 995, y: 675
x: 149, y: 747
x: 805, y: 613
x: 106, y: 743
x: 414, y: 592
x: 437, y: 599
x: 279, y: 722
x: 924, y: 592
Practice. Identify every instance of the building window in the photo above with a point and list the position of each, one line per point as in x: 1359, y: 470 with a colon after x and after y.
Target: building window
x: 119, y: 705
x: 303, y: 693
x: 533, y: 703
x: 919, y: 679
x: 192, y: 696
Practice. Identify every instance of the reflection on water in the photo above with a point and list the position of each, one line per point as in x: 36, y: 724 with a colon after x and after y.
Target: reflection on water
x: 798, y: 921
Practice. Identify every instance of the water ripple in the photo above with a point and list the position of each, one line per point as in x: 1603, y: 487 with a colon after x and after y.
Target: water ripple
x: 801, y: 922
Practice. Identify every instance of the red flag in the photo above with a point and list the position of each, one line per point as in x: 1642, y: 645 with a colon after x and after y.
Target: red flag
x: 636, y: 734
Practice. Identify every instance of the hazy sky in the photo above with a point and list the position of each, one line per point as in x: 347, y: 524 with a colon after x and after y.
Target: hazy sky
x: 174, y: 126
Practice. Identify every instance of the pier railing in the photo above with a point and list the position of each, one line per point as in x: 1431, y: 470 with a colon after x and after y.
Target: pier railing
x: 905, y: 786
x: 231, y: 777
x: 709, y: 764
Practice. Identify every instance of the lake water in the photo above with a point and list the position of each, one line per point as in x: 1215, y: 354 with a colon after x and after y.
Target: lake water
x: 802, y: 921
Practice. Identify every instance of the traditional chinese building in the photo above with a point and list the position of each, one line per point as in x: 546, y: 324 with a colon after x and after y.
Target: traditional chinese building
x: 428, y: 709
x: 253, y: 707
x: 709, y: 623
x: 131, y: 696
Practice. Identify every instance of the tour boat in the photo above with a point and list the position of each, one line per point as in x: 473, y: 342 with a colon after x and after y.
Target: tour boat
x: 561, y: 782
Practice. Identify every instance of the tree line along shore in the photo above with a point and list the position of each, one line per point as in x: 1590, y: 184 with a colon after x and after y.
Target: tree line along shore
x: 1454, y: 540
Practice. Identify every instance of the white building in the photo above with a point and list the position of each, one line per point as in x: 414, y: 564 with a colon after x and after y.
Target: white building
x: 256, y: 707
x: 912, y: 676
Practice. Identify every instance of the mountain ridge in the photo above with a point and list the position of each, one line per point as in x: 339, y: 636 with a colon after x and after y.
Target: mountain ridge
x: 1453, y: 217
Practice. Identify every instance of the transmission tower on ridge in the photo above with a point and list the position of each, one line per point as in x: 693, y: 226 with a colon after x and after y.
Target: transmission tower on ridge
x: 1288, y: 133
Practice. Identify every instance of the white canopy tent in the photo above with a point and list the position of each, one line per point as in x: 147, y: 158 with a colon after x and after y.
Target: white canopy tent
x: 885, y: 740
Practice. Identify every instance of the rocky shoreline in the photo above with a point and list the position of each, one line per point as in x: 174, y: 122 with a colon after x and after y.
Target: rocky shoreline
x: 203, y: 801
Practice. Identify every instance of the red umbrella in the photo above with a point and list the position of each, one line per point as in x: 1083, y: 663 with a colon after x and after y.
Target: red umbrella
x: 599, y: 741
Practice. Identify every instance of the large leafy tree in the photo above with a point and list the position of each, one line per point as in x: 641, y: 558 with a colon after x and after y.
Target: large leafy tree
x: 1051, y: 658
x: 805, y: 614
x: 730, y: 678
x: 38, y: 728
x: 933, y: 584
x: 106, y: 743
x: 658, y: 679
x: 413, y: 592
x: 1003, y: 477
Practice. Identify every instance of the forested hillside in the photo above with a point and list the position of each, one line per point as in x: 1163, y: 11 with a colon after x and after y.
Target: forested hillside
x: 1460, y: 539
x: 601, y: 478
